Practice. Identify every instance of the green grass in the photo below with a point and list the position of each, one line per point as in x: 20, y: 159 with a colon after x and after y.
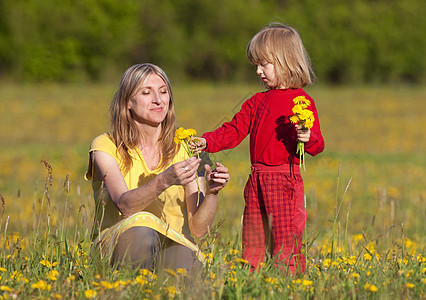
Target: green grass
x: 373, y: 140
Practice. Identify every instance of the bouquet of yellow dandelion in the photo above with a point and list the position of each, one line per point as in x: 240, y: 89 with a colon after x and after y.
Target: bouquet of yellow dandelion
x: 303, y: 117
x: 183, y: 137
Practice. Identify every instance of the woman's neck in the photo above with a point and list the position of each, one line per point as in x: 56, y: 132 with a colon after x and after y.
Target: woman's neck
x: 150, y: 135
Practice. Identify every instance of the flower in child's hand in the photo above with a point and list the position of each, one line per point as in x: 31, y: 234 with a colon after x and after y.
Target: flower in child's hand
x: 304, y: 118
x: 183, y: 137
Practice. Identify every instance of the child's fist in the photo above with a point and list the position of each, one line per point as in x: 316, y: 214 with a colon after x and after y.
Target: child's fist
x: 197, y: 144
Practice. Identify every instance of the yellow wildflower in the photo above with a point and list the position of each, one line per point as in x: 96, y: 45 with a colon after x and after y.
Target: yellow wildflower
x: 5, y: 288
x: 303, y: 117
x: 307, y: 282
x: 140, y: 280
x: 327, y: 262
x: 145, y: 272
x: 71, y: 278
x: 367, y: 256
x: 171, y: 291
x: 170, y: 272
x: 2, y: 269
x: 52, y: 275
x: 182, y: 272
x: 41, y: 285
x: 409, y: 285
x: 90, y: 294
x: 46, y: 263
x: 106, y: 285
x: 370, y: 287
x: 183, y: 135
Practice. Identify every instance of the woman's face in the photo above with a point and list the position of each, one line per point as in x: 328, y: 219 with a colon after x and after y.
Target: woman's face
x: 150, y: 104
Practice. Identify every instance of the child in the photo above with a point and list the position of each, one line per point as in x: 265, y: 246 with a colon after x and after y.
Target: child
x: 274, y: 214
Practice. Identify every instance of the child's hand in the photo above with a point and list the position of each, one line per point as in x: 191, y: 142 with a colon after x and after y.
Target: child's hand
x: 303, y: 134
x: 197, y: 144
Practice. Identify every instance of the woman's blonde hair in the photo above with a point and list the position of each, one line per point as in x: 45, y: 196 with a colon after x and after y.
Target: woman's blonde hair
x: 282, y: 46
x: 124, y: 132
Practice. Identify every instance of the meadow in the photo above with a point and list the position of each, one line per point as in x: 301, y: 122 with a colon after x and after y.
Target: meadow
x: 365, y: 196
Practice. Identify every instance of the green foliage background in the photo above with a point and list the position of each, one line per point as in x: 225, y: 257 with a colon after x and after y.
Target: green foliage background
x: 360, y: 41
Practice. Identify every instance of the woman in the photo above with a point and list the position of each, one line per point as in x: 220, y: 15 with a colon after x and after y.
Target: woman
x: 148, y: 203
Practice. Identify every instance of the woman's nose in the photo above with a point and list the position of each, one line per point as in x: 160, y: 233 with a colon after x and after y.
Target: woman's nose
x: 157, y: 98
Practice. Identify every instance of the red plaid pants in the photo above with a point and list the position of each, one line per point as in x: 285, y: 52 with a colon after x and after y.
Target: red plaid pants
x: 274, y: 216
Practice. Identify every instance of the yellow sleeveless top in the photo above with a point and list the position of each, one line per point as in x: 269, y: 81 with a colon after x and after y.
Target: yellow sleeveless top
x: 169, y: 206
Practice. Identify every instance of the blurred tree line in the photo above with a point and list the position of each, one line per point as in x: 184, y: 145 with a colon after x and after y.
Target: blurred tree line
x: 349, y: 41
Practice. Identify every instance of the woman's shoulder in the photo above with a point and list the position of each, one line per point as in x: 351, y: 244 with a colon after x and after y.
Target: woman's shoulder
x: 102, y: 142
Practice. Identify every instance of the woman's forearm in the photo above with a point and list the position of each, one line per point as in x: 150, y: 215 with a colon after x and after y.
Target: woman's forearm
x: 138, y: 199
x: 204, y: 217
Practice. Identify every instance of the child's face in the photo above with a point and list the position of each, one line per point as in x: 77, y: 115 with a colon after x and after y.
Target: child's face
x: 266, y: 71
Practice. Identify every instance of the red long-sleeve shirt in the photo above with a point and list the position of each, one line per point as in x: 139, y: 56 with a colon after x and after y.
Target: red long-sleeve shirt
x: 273, y: 139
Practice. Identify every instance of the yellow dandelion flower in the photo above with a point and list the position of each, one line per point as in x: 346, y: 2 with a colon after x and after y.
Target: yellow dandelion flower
x: 52, y: 275
x: 327, y: 262
x: 304, y: 118
x: 370, y: 287
x: 145, y: 272
x: 294, y: 119
x: 106, y: 285
x: 182, y: 271
x: 141, y: 280
x: 297, y: 109
x: 233, y: 251
x: 57, y: 296
x: 5, y: 288
x: 41, y: 285
x: 367, y: 256
x: 171, y: 291
x: 90, y: 294
x: 409, y: 285
x: 170, y: 272
x: 71, y: 278
x: 355, y: 275
x: 424, y: 280
x: 307, y: 282
x: 358, y: 237
x: 46, y: 263
x: 241, y: 260
x: 2, y: 269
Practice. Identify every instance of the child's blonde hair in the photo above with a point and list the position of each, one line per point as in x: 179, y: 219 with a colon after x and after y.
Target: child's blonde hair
x: 282, y: 46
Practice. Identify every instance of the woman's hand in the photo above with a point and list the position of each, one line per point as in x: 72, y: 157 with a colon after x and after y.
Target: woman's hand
x: 181, y: 173
x: 303, y: 134
x: 197, y: 144
x: 216, y: 179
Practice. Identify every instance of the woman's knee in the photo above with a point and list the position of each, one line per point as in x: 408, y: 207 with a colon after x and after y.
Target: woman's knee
x: 138, y: 246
